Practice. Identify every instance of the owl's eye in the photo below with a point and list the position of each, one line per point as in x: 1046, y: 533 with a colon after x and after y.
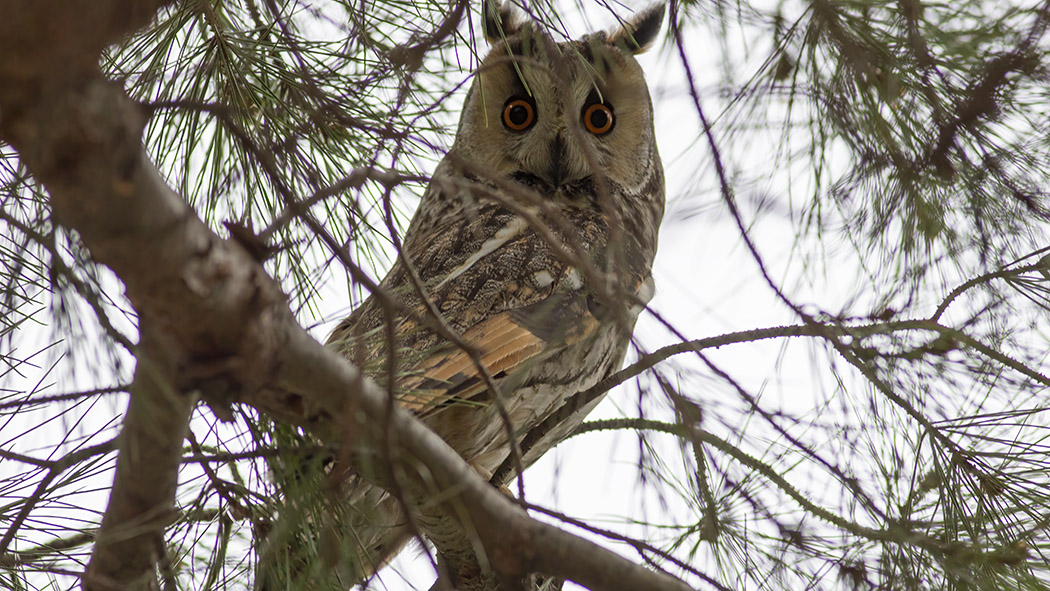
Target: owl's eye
x: 518, y: 115
x: 598, y: 119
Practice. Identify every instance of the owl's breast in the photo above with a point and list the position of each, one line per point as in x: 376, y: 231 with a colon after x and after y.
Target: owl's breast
x: 529, y: 296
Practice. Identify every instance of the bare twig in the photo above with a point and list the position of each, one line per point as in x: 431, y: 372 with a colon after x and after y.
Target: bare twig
x: 55, y: 468
x: 650, y: 360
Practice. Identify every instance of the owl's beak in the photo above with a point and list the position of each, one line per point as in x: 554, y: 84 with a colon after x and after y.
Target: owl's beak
x: 557, y: 171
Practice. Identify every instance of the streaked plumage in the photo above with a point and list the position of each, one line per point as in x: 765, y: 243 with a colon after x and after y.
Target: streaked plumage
x: 535, y: 245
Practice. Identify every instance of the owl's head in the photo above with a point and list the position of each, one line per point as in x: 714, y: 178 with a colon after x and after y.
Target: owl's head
x: 557, y: 114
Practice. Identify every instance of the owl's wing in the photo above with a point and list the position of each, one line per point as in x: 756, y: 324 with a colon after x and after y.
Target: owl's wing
x: 508, y: 342
x: 500, y: 286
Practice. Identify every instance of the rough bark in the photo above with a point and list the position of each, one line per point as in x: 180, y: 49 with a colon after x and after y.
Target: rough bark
x: 130, y: 543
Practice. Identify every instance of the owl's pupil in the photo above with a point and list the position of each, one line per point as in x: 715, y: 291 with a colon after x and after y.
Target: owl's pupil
x: 518, y: 115
x: 599, y: 119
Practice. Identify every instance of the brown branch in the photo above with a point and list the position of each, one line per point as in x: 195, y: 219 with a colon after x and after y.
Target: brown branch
x: 981, y: 279
x: 57, y: 38
x: 30, y: 555
x: 195, y: 296
x: 130, y: 541
x: 644, y: 550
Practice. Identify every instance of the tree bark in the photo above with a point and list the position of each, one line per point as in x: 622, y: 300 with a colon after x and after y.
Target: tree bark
x: 130, y: 542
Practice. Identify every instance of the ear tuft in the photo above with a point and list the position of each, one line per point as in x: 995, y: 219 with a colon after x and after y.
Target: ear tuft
x: 638, y: 33
x: 499, y: 21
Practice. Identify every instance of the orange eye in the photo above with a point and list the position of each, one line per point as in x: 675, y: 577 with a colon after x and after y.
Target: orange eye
x: 518, y: 115
x: 598, y: 119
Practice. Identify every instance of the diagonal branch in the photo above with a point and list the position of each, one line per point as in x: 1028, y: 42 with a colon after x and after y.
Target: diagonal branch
x: 515, y: 544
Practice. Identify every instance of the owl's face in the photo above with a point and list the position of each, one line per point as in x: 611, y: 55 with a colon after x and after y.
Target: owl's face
x: 556, y: 114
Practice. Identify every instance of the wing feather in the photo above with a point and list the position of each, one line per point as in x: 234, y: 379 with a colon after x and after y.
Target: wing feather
x: 497, y: 283
x: 506, y: 348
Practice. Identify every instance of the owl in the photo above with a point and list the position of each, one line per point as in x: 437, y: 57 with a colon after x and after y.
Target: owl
x: 532, y: 247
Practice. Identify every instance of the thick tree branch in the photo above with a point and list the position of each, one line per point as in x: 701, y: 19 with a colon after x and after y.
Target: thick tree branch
x: 514, y: 543
x: 58, y: 38
x: 130, y: 541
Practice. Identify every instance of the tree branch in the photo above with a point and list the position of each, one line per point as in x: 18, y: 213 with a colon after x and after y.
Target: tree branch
x: 581, y: 399
x: 130, y: 541
x: 59, y: 39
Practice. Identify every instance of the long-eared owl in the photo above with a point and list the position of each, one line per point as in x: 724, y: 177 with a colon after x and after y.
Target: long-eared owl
x: 533, y: 243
